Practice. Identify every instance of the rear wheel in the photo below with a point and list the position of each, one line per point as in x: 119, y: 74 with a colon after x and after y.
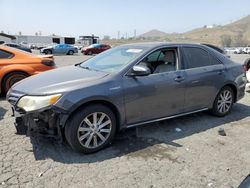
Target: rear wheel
x: 90, y: 53
x: 12, y: 78
x: 91, y: 128
x: 223, y: 102
x: 70, y: 52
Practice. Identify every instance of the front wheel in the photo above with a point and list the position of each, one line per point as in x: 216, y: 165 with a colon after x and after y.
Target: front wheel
x: 91, y: 128
x: 223, y: 103
x: 48, y: 52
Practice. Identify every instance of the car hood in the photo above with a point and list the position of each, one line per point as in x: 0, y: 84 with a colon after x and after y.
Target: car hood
x: 58, y: 81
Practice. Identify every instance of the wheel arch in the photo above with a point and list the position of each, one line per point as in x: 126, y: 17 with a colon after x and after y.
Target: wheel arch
x: 106, y: 103
x: 234, y: 88
x: 10, y: 72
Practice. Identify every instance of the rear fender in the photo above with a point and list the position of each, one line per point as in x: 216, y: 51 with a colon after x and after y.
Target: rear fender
x: 14, y: 68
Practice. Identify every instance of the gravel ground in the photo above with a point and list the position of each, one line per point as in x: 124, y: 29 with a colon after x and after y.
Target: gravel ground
x: 154, y: 155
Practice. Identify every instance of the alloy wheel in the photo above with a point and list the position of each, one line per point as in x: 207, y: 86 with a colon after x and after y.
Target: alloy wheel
x: 94, y: 130
x: 225, y: 101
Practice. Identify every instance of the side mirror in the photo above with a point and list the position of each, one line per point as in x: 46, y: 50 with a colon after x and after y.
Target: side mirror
x: 139, y: 70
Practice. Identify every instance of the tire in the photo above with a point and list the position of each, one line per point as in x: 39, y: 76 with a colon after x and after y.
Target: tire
x: 48, y: 52
x: 70, y: 52
x: 89, y: 53
x: 83, y: 136
x: 223, y: 102
x: 12, y: 78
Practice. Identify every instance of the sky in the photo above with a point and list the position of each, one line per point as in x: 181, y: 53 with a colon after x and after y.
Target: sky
x: 107, y: 17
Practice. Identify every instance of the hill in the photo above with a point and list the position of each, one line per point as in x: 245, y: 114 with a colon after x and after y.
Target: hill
x: 153, y: 33
x: 234, y: 34
x: 237, y: 32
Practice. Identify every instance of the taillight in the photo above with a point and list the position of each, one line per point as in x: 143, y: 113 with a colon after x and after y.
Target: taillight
x: 48, y: 63
x: 245, y: 68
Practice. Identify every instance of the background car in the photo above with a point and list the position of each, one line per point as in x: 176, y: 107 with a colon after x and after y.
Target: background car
x: 247, y: 69
x: 60, y: 49
x: 95, y: 49
x: 18, y: 46
x: 246, y: 50
x: 238, y: 51
x: 125, y: 87
x: 16, y: 65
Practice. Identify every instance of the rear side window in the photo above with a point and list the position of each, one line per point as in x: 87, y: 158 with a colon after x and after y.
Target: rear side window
x: 5, y: 55
x: 196, y: 57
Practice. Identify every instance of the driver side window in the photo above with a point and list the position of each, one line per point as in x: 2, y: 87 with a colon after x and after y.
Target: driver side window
x: 160, y: 61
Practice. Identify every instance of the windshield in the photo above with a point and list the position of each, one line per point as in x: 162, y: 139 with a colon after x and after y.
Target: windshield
x: 113, y: 60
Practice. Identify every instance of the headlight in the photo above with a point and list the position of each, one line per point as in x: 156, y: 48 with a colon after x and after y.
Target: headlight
x: 30, y: 103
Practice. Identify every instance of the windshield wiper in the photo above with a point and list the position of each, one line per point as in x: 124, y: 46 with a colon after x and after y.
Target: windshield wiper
x: 84, y: 67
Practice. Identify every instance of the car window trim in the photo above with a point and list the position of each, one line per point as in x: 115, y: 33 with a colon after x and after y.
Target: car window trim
x: 177, y: 63
x: 12, y: 55
x: 136, y: 62
x: 209, y: 54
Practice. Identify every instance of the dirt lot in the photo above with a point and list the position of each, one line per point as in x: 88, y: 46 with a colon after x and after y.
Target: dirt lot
x: 156, y: 155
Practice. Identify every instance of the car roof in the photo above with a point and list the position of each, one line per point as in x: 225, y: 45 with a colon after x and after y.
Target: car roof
x: 159, y: 44
x: 16, y: 51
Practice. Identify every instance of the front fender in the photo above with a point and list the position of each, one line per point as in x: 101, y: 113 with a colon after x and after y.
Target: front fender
x: 104, y: 94
x: 65, y: 114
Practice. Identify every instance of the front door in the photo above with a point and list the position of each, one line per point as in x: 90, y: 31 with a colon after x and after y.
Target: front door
x: 157, y: 95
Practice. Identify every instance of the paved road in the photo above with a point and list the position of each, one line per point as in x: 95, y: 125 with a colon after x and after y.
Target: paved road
x: 155, y: 155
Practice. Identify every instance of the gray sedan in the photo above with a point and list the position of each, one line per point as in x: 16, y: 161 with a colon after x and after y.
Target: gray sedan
x: 60, y: 49
x: 125, y: 87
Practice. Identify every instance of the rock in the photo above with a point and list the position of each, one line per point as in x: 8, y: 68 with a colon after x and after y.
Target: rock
x: 209, y: 184
x: 222, y: 132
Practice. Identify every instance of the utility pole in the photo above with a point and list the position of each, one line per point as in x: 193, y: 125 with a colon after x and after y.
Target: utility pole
x: 135, y: 33
x: 118, y: 35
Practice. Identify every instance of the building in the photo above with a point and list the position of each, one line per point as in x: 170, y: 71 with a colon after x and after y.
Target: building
x: 5, y: 38
x: 88, y: 40
x: 44, y: 40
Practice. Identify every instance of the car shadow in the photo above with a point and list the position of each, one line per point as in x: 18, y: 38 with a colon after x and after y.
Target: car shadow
x: 155, y: 140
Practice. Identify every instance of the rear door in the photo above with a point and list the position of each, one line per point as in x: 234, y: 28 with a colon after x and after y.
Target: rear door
x: 57, y: 49
x: 204, y: 78
x: 64, y: 48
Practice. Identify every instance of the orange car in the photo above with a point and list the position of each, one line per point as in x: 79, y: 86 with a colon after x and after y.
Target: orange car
x: 16, y: 65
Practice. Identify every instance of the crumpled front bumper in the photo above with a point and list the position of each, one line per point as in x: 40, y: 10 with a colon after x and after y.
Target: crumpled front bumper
x: 44, y: 122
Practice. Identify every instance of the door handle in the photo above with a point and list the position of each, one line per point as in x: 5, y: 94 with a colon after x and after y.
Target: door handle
x: 221, y: 72
x: 179, y: 79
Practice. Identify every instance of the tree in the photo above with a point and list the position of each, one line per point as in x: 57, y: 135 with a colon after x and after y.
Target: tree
x: 226, y: 40
x: 240, y: 41
x: 106, y: 37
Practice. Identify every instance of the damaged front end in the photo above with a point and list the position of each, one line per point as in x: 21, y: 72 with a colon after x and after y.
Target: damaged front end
x: 41, y: 122
x: 44, y: 123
